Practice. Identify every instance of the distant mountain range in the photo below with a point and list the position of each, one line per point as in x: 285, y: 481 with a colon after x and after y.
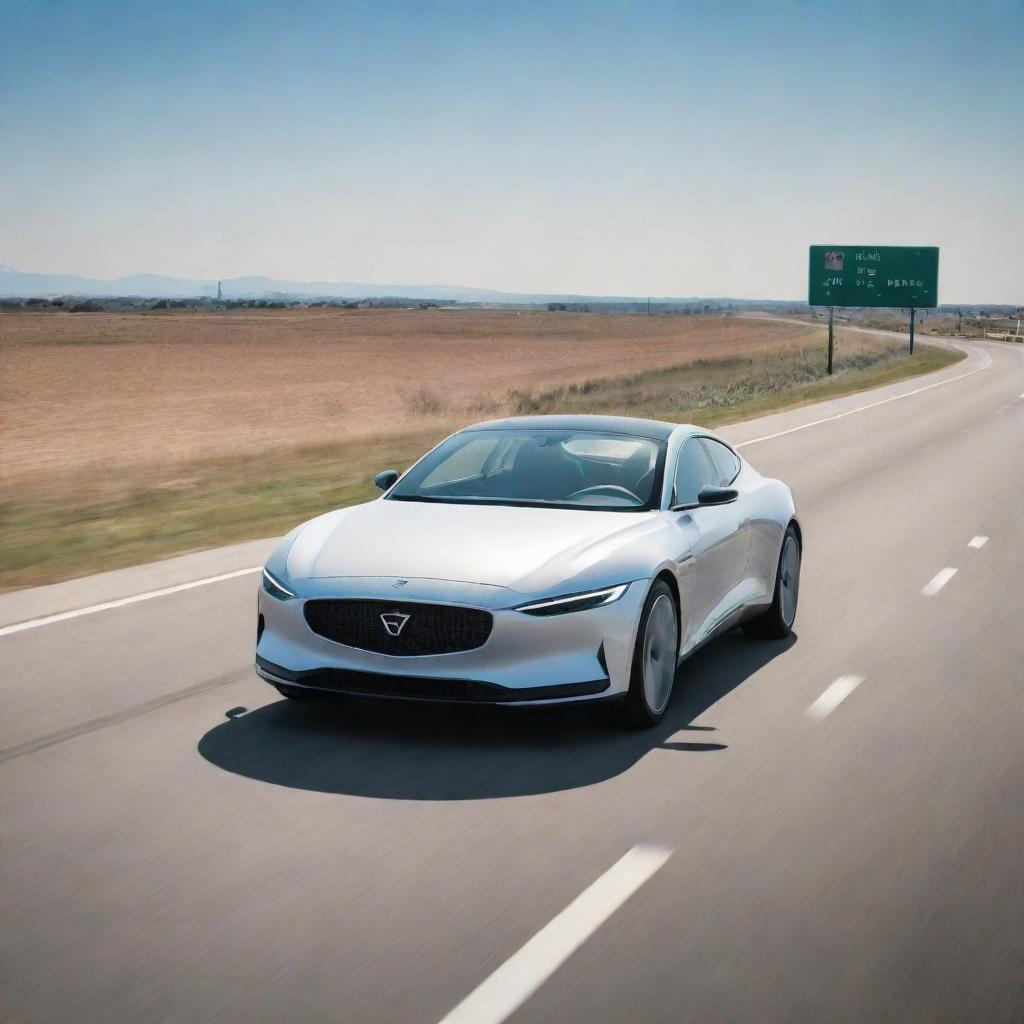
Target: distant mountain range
x: 17, y: 285
x: 13, y: 283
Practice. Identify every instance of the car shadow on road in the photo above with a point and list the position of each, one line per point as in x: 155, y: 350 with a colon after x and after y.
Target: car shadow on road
x: 414, y: 751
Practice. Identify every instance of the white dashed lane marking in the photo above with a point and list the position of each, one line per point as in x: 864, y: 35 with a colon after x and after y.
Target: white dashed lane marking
x: 938, y: 581
x: 977, y: 542
x: 500, y: 995
x: 833, y: 696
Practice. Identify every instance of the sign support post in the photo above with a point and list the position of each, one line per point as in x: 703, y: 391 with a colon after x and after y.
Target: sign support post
x: 912, y: 330
x: 830, y: 341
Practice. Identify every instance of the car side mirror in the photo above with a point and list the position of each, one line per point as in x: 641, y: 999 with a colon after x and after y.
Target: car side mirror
x: 716, y: 495
x: 386, y: 479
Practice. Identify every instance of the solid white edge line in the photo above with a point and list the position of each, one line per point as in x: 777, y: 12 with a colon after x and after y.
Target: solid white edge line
x: 977, y: 542
x: 938, y: 581
x: 833, y: 696
x: 861, y: 408
x: 500, y: 995
x: 91, y: 609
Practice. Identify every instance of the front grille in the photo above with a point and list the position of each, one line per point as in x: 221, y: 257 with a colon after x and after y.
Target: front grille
x: 428, y: 628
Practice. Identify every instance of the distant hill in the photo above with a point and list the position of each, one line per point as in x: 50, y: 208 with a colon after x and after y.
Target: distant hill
x: 17, y: 285
x: 14, y: 283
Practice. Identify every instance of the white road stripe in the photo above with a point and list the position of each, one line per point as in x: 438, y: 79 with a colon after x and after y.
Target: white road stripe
x: 860, y: 408
x: 833, y: 696
x: 978, y: 542
x: 938, y: 581
x: 520, y: 976
x: 91, y: 609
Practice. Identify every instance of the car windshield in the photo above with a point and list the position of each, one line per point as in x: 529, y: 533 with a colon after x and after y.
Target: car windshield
x: 565, y: 468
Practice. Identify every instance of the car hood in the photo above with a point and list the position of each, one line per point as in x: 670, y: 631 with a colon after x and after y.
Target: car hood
x: 518, y: 547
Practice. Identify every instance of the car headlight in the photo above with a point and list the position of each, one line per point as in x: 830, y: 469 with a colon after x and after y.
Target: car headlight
x: 574, y: 602
x: 275, y: 588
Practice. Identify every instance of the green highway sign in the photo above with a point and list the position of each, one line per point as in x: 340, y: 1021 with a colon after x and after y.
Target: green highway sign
x: 899, y: 276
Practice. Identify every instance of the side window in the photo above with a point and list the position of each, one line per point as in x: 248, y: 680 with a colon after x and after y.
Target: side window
x: 693, y: 471
x: 725, y: 462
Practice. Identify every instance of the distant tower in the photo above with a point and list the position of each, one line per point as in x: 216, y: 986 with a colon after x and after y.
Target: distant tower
x: 218, y: 292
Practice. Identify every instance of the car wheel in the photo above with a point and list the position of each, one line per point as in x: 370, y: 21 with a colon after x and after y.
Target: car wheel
x: 777, y: 622
x: 654, y: 659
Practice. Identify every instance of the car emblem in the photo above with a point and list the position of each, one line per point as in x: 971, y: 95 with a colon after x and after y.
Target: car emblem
x: 399, y: 583
x: 394, y: 622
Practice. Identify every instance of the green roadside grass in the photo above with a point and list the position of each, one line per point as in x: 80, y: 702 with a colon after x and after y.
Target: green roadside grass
x: 49, y: 537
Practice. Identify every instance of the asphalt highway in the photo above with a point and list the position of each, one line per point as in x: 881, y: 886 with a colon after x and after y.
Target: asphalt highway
x: 825, y: 829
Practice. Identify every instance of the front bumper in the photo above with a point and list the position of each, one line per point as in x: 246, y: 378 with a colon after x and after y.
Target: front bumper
x: 526, y: 659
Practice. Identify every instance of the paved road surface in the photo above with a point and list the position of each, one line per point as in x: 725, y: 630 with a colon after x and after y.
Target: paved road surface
x: 784, y: 847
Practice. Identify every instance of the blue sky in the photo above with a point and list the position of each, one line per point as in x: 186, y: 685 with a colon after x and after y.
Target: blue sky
x: 603, y: 148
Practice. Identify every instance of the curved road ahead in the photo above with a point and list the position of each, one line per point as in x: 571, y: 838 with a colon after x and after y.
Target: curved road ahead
x: 829, y: 829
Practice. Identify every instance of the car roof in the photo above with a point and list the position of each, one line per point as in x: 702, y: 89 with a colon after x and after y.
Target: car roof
x: 657, y: 430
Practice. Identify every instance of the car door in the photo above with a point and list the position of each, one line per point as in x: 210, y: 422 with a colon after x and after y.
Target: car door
x: 717, y: 542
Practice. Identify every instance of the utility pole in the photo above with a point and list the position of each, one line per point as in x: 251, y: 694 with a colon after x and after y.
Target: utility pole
x: 830, y: 342
x: 959, y: 317
x: 648, y: 305
x: 218, y: 292
x: 912, y: 311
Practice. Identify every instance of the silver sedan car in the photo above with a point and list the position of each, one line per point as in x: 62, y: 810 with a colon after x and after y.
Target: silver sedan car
x: 534, y: 560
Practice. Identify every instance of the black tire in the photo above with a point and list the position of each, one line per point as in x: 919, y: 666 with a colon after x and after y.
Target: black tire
x: 772, y: 624
x: 636, y: 710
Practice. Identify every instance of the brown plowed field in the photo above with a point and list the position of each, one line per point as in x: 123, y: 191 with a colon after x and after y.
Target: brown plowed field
x: 91, y: 394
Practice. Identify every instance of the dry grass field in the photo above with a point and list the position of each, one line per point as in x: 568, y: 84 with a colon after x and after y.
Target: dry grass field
x: 103, y: 392
x: 131, y: 435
